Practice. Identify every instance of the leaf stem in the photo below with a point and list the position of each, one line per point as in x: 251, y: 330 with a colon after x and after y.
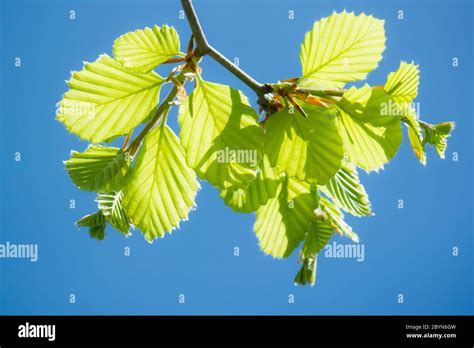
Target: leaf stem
x: 127, y: 139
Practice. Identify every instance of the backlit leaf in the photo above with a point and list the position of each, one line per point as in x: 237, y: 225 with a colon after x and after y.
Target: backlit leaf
x: 437, y: 135
x: 283, y: 221
x: 105, y: 100
x: 309, y: 149
x: 221, y: 134
x: 346, y: 191
x: 341, y: 48
x: 162, y: 188
x: 99, y: 168
x: 415, y: 135
x: 143, y: 50
x: 371, y: 132
x: 256, y: 194
x: 316, y: 238
x: 403, y: 83
x: 112, y: 208
x: 336, y: 219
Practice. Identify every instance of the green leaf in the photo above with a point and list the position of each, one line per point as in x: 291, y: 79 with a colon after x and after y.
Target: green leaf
x: 346, y: 191
x: 99, y: 168
x: 221, y: 134
x: 143, y: 50
x: 105, y: 100
x: 256, y: 194
x: 317, y: 237
x: 437, y: 135
x: 341, y: 48
x: 403, y: 83
x: 96, y: 223
x: 110, y: 204
x: 283, y: 221
x: 370, y: 130
x: 415, y: 136
x: 162, y: 188
x: 336, y: 219
x: 309, y: 149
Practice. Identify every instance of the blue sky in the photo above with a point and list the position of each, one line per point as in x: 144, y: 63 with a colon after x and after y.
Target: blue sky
x: 408, y: 251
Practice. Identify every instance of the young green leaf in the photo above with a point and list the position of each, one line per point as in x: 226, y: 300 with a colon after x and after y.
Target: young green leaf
x: 283, y: 221
x: 336, y: 219
x: 162, y: 188
x: 346, y: 191
x: 370, y: 132
x: 309, y: 149
x: 415, y: 136
x: 437, y: 135
x: 316, y: 238
x: 402, y: 84
x: 256, y: 194
x: 143, y: 50
x: 96, y: 223
x: 99, y: 168
x: 341, y: 48
x: 105, y: 100
x: 221, y: 135
x: 112, y: 208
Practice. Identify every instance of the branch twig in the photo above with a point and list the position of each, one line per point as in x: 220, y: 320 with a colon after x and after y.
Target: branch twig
x: 203, y: 48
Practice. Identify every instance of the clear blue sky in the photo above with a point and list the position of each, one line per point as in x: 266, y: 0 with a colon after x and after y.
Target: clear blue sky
x: 407, y: 251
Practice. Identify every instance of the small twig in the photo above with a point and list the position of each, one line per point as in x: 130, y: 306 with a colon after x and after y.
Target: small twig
x: 203, y: 48
x: 198, y: 33
x: 175, y: 60
x: 127, y: 139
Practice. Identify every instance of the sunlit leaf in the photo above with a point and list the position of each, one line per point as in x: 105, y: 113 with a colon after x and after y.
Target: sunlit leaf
x: 221, y: 135
x: 346, y: 191
x: 143, y: 50
x: 336, y: 219
x: 437, y: 135
x: 112, y: 208
x: 162, y: 188
x: 105, y: 100
x: 371, y: 132
x: 99, y: 168
x: 341, y: 48
x: 316, y: 238
x: 403, y: 83
x: 283, y: 221
x: 415, y: 136
x: 309, y: 149
x: 256, y: 194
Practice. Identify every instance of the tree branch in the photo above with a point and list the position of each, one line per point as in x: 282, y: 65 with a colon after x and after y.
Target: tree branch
x: 203, y: 48
x: 198, y: 33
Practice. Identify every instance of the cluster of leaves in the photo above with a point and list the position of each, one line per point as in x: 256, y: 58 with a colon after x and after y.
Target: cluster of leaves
x: 314, y: 135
